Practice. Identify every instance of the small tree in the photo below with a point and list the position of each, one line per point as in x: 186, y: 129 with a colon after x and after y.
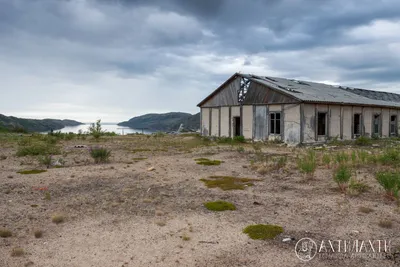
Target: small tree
x: 95, y: 129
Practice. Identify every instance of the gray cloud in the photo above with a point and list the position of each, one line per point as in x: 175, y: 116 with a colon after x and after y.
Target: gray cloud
x: 114, y: 59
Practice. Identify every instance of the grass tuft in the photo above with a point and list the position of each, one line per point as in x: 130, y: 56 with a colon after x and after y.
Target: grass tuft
x: 100, y: 154
x: 219, y: 205
x: 228, y: 182
x: 208, y: 162
x: 4, y: 233
x: 342, y: 176
x: 38, y: 233
x: 31, y: 171
x: 385, y: 224
x: 57, y: 219
x: 263, y: 231
x: 17, y: 252
x: 366, y: 210
x: 390, y: 181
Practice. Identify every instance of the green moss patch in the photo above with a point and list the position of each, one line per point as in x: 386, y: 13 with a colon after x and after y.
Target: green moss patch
x: 32, y: 171
x: 228, y: 182
x: 219, y: 205
x: 138, y: 159
x: 208, y: 162
x: 263, y: 231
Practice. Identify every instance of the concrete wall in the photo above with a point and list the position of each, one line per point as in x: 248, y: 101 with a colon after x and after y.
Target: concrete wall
x: 367, y: 120
x: 385, y: 122
x: 215, y: 121
x: 334, y: 123
x: 291, y: 122
x: 309, y: 123
x: 205, y: 121
x: 225, y: 121
x: 248, y: 121
x: 347, y: 122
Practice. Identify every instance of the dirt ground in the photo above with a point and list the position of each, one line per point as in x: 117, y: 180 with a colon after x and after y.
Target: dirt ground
x: 125, y: 213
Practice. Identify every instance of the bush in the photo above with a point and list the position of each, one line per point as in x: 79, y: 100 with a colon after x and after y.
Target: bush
x: 390, y: 156
x: 263, y: 231
x: 239, y: 139
x: 37, y: 149
x: 219, y: 206
x: 100, y: 154
x: 95, y: 129
x: 45, y: 160
x: 390, y: 181
x: 363, y: 141
x: 342, y: 176
x: 307, y: 164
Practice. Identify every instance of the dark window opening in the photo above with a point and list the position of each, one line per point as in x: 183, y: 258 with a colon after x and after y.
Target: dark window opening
x: 236, y: 125
x: 393, y: 125
x: 357, y: 124
x: 376, y: 124
x: 321, y: 123
x: 275, y: 123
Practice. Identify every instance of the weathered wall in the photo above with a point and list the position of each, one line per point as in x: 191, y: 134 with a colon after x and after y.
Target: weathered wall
x: 205, y: 121
x: 248, y: 121
x: 385, y: 122
x: 215, y: 121
x: 334, y: 123
x: 347, y: 122
x: 291, y: 123
x: 309, y: 123
x: 367, y: 120
x: 225, y: 121
x: 273, y: 108
x: 260, y: 123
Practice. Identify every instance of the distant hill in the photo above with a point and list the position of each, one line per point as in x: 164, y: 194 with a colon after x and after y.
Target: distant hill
x: 164, y: 122
x: 33, y: 125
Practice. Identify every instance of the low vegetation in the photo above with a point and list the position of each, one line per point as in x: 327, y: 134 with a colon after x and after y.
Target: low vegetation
x: 307, y: 164
x: 37, y: 149
x: 31, y: 171
x: 219, y: 205
x: 365, y: 210
x: 385, y: 224
x: 390, y: 181
x: 57, y: 219
x: 342, y: 176
x: 208, y: 162
x: 17, y: 252
x: 4, y: 233
x: 263, y: 231
x: 228, y: 182
x: 38, y: 233
x: 100, y: 154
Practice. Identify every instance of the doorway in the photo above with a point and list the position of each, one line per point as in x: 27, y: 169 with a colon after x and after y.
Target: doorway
x: 236, y: 126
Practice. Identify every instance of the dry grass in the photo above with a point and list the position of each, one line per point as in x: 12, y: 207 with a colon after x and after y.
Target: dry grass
x: 366, y: 210
x: 57, y: 219
x: 385, y: 224
x: 17, y: 252
x: 38, y: 233
x: 4, y: 233
x: 185, y: 237
x: 161, y: 223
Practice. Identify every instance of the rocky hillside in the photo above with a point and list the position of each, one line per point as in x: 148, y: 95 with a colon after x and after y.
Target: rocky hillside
x: 164, y: 122
x: 33, y: 125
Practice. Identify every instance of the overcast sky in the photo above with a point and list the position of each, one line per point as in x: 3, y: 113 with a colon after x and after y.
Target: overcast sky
x: 115, y: 59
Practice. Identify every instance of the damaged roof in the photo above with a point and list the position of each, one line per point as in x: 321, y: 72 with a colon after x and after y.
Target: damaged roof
x: 305, y: 91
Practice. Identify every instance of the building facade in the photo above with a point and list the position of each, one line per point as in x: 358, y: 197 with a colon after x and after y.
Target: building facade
x: 267, y: 108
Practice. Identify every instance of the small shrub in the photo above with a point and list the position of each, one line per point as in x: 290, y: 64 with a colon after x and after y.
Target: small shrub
x: 228, y: 182
x: 362, y: 156
x: 185, y: 237
x: 239, y: 139
x: 17, y: 252
x: 365, y: 210
x: 385, y: 224
x: 326, y: 159
x: 219, y: 206
x: 37, y: 149
x: 31, y: 171
x: 363, y: 141
x: 263, y: 231
x: 342, y: 158
x: 95, y: 130
x: 342, y: 176
x: 38, y: 233
x: 307, y: 164
x: 240, y: 149
x: 357, y: 187
x: 45, y: 160
x: 208, y: 162
x: 100, y: 154
x: 390, y: 181
x: 390, y: 156
x: 57, y: 219
x: 4, y: 233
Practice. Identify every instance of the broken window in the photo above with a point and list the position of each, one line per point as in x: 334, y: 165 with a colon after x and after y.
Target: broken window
x: 321, y: 123
x: 393, y: 125
x: 376, y: 124
x: 275, y: 123
x: 357, y: 124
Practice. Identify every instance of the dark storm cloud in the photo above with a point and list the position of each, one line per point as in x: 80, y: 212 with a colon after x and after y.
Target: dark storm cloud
x: 84, y: 55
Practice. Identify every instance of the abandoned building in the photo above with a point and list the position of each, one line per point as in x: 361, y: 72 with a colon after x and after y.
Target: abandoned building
x: 293, y: 111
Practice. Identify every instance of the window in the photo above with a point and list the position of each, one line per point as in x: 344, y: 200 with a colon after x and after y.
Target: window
x: 275, y: 123
x: 357, y: 124
x: 376, y: 124
x: 393, y: 125
x: 321, y: 123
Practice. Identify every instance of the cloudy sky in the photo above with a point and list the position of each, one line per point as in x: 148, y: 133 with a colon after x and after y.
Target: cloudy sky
x: 115, y: 59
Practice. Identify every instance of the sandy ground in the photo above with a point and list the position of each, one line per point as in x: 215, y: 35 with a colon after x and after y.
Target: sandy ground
x: 115, y: 213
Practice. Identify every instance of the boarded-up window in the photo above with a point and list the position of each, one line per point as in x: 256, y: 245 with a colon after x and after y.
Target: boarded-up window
x: 321, y: 123
x: 357, y: 124
x: 275, y: 123
x: 393, y: 125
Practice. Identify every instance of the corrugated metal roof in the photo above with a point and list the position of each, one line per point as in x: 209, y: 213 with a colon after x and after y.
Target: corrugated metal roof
x: 324, y: 93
